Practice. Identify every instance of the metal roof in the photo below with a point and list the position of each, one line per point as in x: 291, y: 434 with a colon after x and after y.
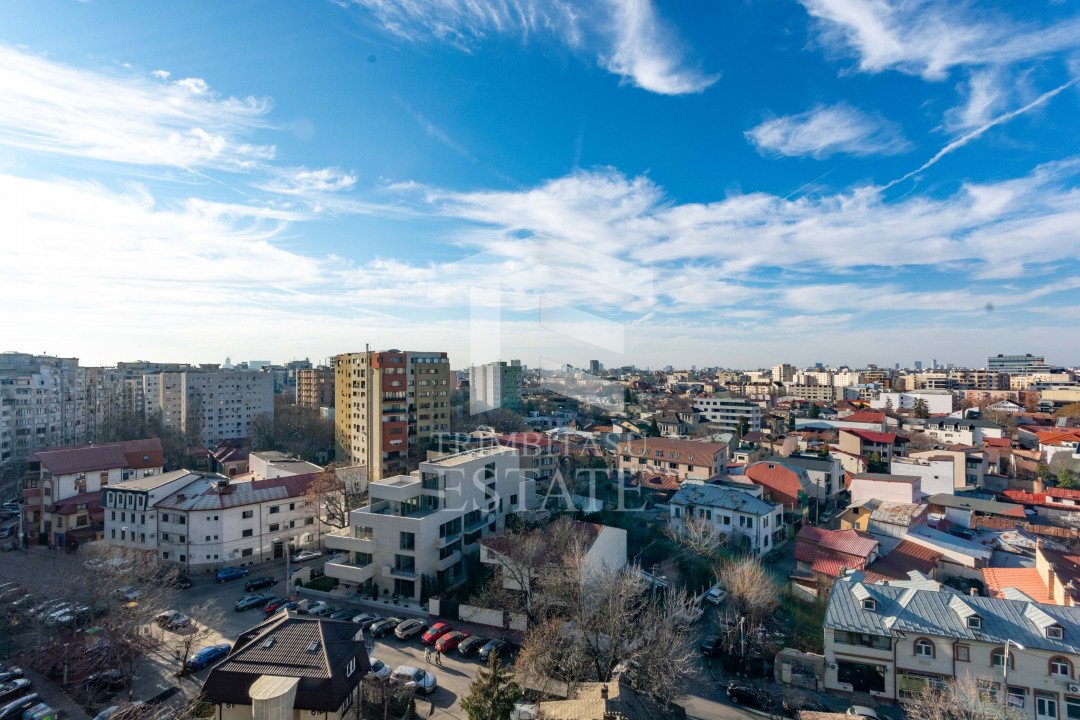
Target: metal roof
x: 942, y: 614
x: 698, y: 493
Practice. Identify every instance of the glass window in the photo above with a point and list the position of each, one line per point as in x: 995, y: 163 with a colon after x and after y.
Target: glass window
x: 924, y: 648
x: 1059, y: 667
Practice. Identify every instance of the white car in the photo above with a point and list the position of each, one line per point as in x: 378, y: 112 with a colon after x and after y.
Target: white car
x: 415, y: 678
x: 716, y: 595
x: 305, y: 555
x: 379, y: 669
x: 319, y: 607
x: 861, y: 711
x: 129, y: 593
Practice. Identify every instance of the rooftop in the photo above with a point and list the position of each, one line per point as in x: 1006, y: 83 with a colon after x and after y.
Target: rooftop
x: 693, y: 492
x: 467, y: 456
x: 130, y: 454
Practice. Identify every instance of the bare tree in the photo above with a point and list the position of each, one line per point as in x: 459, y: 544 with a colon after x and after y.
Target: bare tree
x: 181, y: 642
x: 961, y: 698
x: 751, y: 590
x: 698, y: 535
x: 334, y: 493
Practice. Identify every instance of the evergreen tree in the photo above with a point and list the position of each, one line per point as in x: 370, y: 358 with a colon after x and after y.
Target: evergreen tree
x: 922, y: 410
x: 493, y: 692
x: 654, y: 429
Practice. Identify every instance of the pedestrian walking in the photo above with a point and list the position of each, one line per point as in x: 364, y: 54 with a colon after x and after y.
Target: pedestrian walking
x: 427, y: 655
x: 438, y: 657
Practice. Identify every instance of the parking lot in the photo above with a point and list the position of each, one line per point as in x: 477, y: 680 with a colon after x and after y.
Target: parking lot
x: 45, y: 570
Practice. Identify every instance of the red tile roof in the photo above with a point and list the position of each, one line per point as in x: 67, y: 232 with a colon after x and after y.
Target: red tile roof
x: 849, y: 542
x: 129, y: 454
x: 781, y: 481
x: 1043, y: 498
x: 997, y: 442
x: 524, y: 439
x: 1060, y: 492
x: 69, y: 506
x: 656, y: 481
x: 877, y: 437
x: 905, y: 557
x: 1026, y: 580
x: 864, y: 416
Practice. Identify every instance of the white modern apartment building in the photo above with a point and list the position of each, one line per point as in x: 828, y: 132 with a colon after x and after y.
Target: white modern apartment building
x: 211, y: 404
x: 727, y: 412
x: 199, y: 519
x: 938, y: 402
x: 418, y: 528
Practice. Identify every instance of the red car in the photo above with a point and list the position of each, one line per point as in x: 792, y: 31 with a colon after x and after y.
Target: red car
x: 450, y: 641
x: 435, y: 632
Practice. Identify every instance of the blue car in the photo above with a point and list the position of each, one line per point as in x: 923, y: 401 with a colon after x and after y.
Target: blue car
x: 230, y: 573
x: 207, y: 655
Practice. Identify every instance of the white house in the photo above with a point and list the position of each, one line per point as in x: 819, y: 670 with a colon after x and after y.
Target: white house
x: 419, y: 527
x: 750, y: 521
x: 885, y: 487
x: 935, y: 472
x: 961, y: 431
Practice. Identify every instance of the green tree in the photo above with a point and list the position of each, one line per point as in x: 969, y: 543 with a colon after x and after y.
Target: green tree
x: 1066, y: 478
x: 922, y: 410
x: 1043, y: 472
x: 493, y: 692
x: 813, y: 411
x: 654, y: 429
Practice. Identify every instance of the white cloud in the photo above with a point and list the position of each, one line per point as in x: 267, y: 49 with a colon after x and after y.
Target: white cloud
x: 828, y: 130
x: 161, y: 74
x: 926, y: 38
x: 627, y: 36
x: 986, y: 93
x: 304, y: 181
x: 52, y: 108
x: 644, y: 52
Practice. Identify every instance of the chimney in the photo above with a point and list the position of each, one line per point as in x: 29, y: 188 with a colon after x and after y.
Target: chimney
x: 603, y: 692
x: 973, y: 591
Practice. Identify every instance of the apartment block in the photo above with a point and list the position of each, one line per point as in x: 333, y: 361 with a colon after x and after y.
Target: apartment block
x: 727, y: 412
x: 42, y: 404
x: 820, y: 393
x: 495, y: 385
x: 208, y: 404
x: 418, y: 528
x: 388, y: 405
x: 679, y: 458
x: 1017, y: 364
x: 315, y: 387
x: 938, y: 402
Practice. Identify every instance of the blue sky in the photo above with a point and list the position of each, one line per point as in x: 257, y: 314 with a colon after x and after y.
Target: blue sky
x: 732, y: 184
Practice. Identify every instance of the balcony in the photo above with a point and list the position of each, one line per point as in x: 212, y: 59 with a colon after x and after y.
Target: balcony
x: 442, y: 542
x: 448, y: 561
x: 345, y: 540
x: 483, y: 520
x: 347, y: 572
x: 397, y: 572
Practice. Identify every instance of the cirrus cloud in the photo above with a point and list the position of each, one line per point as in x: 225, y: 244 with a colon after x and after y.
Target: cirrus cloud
x: 828, y: 130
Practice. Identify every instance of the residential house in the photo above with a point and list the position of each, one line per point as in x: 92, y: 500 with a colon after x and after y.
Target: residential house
x: 905, y: 561
x: 290, y: 667
x: 418, y: 528
x: 823, y: 555
x: 129, y: 511
x: 825, y: 475
x: 959, y: 557
x: 1057, y: 504
x: 893, y: 641
x: 970, y: 465
x: 935, y: 472
x: 1054, y: 579
x: 615, y: 700
x: 871, y: 444
x: 273, y: 463
x: 961, y: 431
x: 750, y: 522
x: 62, y: 473
x: 963, y: 510
x: 682, y: 458
x: 885, y: 487
x: 890, y: 521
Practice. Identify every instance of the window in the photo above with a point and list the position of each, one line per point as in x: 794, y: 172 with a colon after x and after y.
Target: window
x: 273, y: 527
x: 307, y: 521
x: 924, y: 649
x: 247, y: 533
x: 246, y: 552
x: 963, y: 653
x: 869, y: 604
x: 292, y: 506
x: 1045, y: 706
x: 997, y: 658
x: 247, y: 514
x: 183, y: 538
x: 1060, y: 667
x: 407, y: 541
x: 275, y: 509
x: 350, y: 668
x: 974, y: 622
x: 1055, y: 632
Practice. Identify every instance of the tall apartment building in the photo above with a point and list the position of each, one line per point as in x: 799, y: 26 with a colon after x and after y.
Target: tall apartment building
x: 1017, y: 364
x: 315, y: 387
x: 211, y: 404
x: 418, y: 528
x: 42, y: 404
x: 387, y: 404
x: 495, y: 385
x: 783, y: 373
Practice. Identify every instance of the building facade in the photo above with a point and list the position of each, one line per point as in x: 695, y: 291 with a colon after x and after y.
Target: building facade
x: 315, y: 387
x: 679, y: 458
x: 388, y: 405
x: 417, y: 529
x: 208, y: 404
x: 495, y: 385
x: 1017, y: 364
x: 727, y: 413
x: 750, y: 523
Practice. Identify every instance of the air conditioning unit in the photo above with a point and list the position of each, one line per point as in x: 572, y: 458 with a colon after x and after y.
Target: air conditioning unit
x: 1074, y: 688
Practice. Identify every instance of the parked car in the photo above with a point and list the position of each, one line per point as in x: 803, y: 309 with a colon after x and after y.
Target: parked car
x: 259, y: 583
x: 305, y: 555
x: 342, y: 615
x: 710, y: 646
x: 415, y: 678
x: 105, y: 680
x: 11, y: 690
x: 381, y: 628
x: 26, y: 601
x: 121, y: 712
x: 379, y: 669
x: 10, y: 674
x: 129, y: 593
x: 450, y: 641
x: 284, y: 607
x: 742, y: 693
x: 73, y: 615
x: 41, y: 711
x: 15, y: 708
x: 408, y: 629
x: 250, y: 601
x: 46, y: 608
x: 181, y: 582
x: 471, y: 645
x: 716, y: 595
x: 861, y: 711
x: 208, y: 655
x: 319, y: 607
x: 173, y: 620
x: 275, y: 604
x: 501, y: 647
x: 435, y: 632
x: 365, y: 620
x: 230, y: 573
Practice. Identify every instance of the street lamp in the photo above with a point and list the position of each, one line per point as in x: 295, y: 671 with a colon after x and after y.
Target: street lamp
x: 1005, y: 671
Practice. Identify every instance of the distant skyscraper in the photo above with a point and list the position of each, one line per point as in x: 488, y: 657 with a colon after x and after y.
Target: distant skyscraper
x: 228, y: 363
x: 934, y: 366
x: 1017, y: 364
x: 495, y: 385
x: 595, y: 367
x: 918, y: 366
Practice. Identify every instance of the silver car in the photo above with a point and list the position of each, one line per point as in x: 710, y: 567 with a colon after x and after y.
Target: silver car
x: 415, y: 678
x: 379, y: 669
